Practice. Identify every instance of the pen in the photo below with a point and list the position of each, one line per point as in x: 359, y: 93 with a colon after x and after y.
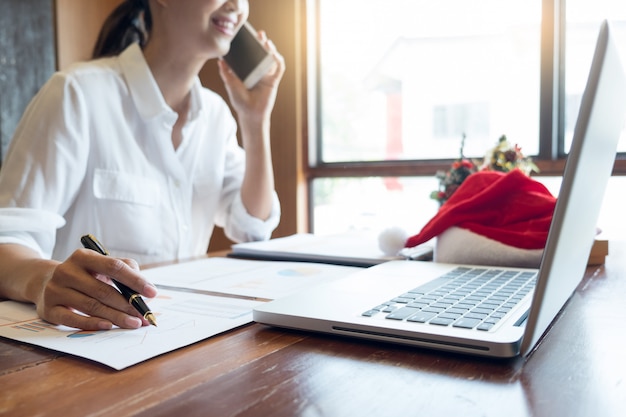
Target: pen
x: 90, y: 242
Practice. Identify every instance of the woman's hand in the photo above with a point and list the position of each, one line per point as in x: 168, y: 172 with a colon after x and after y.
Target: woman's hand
x: 254, y: 106
x: 79, y: 292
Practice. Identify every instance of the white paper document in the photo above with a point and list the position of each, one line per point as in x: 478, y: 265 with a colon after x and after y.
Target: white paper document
x: 263, y: 280
x: 183, y: 318
x: 212, y: 295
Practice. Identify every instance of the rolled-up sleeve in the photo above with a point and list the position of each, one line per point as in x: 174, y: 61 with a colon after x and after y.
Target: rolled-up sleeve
x: 44, y: 167
x: 33, y: 228
x: 247, y: 228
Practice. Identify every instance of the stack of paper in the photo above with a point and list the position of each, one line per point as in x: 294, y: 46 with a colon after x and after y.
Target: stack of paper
x: 344, y: 249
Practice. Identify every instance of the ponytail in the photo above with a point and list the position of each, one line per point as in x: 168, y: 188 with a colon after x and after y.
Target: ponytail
x: 130, y: 22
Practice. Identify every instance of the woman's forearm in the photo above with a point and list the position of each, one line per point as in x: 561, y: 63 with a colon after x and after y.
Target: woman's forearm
x: 258, y: 181
x: 23, y: 272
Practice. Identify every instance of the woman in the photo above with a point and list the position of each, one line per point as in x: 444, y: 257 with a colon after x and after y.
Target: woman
x: 131, y: 148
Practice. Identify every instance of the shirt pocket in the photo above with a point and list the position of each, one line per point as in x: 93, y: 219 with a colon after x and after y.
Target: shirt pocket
x: 128, y: 212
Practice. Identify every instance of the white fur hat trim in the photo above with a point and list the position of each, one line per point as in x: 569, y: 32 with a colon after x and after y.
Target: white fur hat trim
x: 457, y: 245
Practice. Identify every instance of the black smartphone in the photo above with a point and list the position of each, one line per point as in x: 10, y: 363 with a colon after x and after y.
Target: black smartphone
x: 247, y: 57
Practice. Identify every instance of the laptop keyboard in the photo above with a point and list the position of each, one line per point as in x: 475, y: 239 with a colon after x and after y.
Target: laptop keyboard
x: 469, y: 298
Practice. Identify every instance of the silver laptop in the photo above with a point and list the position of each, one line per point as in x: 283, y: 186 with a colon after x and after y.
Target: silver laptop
x: 487, y: 311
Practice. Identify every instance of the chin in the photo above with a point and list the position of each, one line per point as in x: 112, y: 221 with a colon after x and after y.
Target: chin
x: 223, y: 51
x: 220, y: 48
x: 213, y: 49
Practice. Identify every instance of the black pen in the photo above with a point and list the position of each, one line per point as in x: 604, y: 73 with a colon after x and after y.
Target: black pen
x: 90, y: 242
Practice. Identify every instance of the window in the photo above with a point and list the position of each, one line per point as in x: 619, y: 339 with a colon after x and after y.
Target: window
x: 400, y: 82
x: 583, y: 22
x: 412, y: 76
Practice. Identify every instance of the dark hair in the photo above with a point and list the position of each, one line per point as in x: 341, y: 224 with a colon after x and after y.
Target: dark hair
x: 130, y: 22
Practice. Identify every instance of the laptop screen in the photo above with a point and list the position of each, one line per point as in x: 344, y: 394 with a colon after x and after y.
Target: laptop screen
x: 588, y: 168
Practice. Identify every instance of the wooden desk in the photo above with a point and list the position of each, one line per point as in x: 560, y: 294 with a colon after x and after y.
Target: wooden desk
x: 579, y: 370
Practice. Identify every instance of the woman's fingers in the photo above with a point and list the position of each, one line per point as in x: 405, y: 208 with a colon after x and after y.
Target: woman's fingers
x: 125, y: 271
x: 74, y: 297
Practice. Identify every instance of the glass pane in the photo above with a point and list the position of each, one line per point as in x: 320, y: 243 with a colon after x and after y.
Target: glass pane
x: 372, y: 204
x: 583, y: 24
x: 404, y: 79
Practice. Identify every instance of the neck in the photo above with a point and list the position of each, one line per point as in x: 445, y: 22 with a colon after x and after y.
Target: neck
x: 174, y: 73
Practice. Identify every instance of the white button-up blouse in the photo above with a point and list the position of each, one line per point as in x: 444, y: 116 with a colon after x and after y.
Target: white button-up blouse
x: 93, y: 154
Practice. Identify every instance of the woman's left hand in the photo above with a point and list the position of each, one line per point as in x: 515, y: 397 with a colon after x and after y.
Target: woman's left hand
x: 254, y: 106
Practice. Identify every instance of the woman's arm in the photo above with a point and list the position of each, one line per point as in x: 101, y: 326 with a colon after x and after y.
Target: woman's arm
x: 254, y: 108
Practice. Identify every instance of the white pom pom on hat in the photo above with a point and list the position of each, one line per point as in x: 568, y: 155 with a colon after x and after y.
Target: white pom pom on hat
x: 392, y: 240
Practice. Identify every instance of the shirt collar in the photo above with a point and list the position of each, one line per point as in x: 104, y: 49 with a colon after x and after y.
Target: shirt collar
x: 145, y: 91
x: 196, y: 106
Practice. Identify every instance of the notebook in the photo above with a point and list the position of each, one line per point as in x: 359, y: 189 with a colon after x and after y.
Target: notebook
x: 350, y: 249
x: 385, y: 302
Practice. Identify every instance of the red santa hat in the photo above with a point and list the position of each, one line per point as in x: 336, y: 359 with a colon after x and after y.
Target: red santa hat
x: 493, y: 218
